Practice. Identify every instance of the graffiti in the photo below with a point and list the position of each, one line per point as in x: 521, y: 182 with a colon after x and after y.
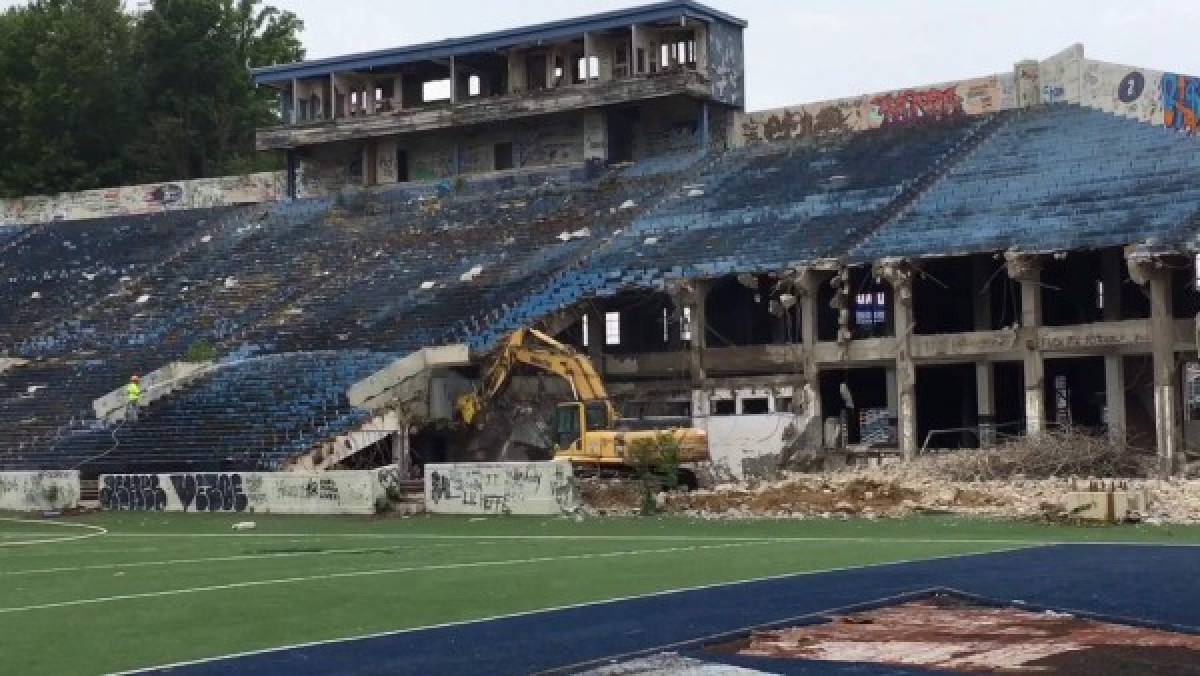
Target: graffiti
x: 1053, y: 93
x: 1181, y: 101
x: 133, y: 492
x: 350, y: 492
x: 1131, y: 87
x: 500, y: 488
x: 792, y: 125
x: 165, y: 194
x: 918, y: 107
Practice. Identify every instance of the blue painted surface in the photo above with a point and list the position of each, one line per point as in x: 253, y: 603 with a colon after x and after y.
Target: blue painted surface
x: 1155, y: 585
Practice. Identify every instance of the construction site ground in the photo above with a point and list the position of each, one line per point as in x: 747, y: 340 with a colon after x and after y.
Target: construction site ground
x: 890, y: 491
x: 427, y: 594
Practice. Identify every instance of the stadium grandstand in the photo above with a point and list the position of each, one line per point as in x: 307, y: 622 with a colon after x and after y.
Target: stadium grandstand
x: 964, y: 260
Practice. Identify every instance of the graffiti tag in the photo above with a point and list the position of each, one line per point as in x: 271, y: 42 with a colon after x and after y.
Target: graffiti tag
x: 1181, y: 101
x: 911, y: 107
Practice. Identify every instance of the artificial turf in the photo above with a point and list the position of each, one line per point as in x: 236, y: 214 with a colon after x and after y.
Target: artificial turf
x: 162, y: 588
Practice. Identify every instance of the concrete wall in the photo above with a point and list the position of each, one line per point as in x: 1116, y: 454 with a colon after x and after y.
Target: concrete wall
x: 348, y: 492
x: 145, y: 199
x: 37, y: 491
x: 500, y: 488
x: 744, y: 445
x: 871, y: 111
x: 1150, y: 96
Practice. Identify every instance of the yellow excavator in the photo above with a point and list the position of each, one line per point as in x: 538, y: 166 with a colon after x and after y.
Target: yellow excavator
x: 586, y: 431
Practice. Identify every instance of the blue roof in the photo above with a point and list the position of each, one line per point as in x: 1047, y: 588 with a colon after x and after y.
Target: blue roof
x: 483, y: 42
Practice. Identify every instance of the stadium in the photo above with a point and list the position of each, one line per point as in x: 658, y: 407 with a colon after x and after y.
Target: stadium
x: 361, y: 413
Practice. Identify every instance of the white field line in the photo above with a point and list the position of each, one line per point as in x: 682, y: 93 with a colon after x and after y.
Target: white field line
x: 571, y: 606
x: 209, y: 559
x: 669, y: 538
x: 93, y: 531
x: 365, y: 573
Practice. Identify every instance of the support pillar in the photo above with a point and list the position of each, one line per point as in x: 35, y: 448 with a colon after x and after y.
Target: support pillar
x: 295, y: 101
x: 808, y: 283
x: 1167, y: 430
x: 1114, y: 397
x: 453, y: 81
x: 1026, y: 269
x: 898, y: 274
x: 985, y: 398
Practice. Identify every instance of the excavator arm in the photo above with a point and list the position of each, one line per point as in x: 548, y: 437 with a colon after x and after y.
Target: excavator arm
x: 536, y: 349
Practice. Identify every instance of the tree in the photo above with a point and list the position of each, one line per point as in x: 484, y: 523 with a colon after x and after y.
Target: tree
x: 200, y: 106
x: 68, y: 92
x: 91, y: 96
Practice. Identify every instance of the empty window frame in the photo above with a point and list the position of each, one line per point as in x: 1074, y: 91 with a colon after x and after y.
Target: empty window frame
x: 756, y: 405
x: 724, y: 407
x: 612, y: 328
x: 435, y: 90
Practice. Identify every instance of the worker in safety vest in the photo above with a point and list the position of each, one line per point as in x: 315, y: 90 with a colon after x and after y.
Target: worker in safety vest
x: 133, y: 392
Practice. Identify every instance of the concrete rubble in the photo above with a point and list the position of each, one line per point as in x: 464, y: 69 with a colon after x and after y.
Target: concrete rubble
x: 889, y: 491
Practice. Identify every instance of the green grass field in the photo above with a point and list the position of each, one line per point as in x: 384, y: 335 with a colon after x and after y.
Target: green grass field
x: 108, y: 592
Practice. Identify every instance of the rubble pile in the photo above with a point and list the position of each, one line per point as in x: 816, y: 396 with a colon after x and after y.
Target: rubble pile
x: 894, y: 490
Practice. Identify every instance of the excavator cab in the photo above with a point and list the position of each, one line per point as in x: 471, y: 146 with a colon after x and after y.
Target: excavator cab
x: 574, y: 419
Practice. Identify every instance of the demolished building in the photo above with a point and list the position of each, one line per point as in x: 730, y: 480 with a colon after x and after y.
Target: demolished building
x: 935, y: 267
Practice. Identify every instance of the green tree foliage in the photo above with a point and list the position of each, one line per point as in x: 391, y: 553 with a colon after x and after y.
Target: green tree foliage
x: 91, y: 96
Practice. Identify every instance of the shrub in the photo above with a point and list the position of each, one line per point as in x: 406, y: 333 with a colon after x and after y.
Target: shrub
x: 655, y: 462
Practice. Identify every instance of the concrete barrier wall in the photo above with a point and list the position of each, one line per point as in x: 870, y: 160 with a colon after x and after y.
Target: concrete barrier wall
x: 344, y: 492
x: 500, y: 488
x: 38, y: 491
x: 155, y: 385
x: 145, y: 199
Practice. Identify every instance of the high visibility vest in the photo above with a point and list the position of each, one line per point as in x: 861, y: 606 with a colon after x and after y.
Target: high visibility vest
x: 134, y: 391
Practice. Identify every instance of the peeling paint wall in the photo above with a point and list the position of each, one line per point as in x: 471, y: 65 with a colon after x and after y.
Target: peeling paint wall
x: 37, y: 491
x: 500, y: 488
x: 145, y: 199
x: 745, y: 445
x: 726, y: 64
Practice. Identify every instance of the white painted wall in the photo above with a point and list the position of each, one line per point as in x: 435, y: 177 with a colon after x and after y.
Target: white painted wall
x: 500, y: 488
x: 37, y: 491
x: 744, y: 445
x: 342, y: 492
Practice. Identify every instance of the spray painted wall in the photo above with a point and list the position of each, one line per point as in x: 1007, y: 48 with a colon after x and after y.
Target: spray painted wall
x: 906, y: 107
x: 346, y: 492
x: 145, y: 199
x: 39, y: 491
x: 500, y: 488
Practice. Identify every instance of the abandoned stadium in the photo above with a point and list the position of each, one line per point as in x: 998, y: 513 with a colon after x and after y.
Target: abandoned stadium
x: 858, y: 281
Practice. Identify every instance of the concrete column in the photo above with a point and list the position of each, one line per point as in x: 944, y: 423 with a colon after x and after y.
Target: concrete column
x: 809, y: 282
x: 334, y: 113
x: 985, y: 398
x: 1114, y: 396
x: 906, y: 372
x: 1166, y: 388
x: 892, y: 392
x: 704, y: 132
x: 898, y: 274
x: 1026, y: 269
x: 588, y: 48
x: 453, y: 81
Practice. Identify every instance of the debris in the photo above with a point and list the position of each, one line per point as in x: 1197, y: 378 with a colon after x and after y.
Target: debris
x: 568, y: 236
x: 650, y: 241
x: 206, y: 239
x: 474, y: 272
x: 628, y: 204
x: 142, y: 298
x: 245, y: 525
x: 695, y: 192
x: 231, y: 282
x: 426, y: 285
x: 36, y: 295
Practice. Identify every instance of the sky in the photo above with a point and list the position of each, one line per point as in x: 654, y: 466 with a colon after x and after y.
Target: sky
x: 811, y: 50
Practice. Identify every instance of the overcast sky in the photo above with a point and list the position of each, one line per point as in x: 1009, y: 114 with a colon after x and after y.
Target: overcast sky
x: 809, y: 50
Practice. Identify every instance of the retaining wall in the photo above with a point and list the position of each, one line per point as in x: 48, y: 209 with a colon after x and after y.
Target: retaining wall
x: 500, y: 488
x: 341, y: 492
x: 38, y: 491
